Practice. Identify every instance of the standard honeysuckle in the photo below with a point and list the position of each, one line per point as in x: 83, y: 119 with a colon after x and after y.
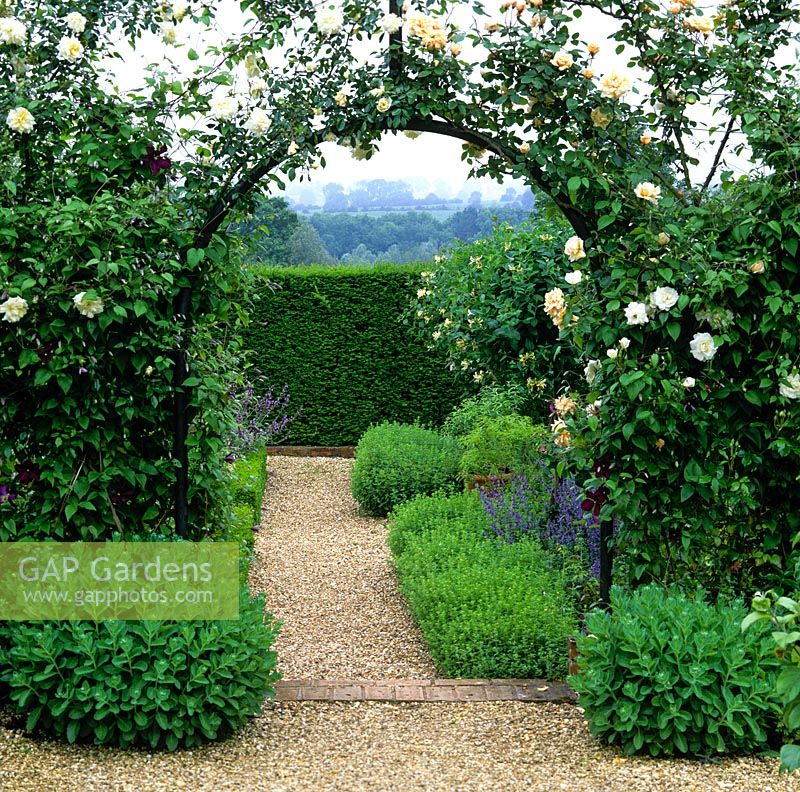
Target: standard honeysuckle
x: 20, y: 120
x: 703, y: 347
x: 13, y: 31
x: 14, y: 309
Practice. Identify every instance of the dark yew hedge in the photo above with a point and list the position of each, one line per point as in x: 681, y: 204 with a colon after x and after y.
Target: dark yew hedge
x: 336, y: 335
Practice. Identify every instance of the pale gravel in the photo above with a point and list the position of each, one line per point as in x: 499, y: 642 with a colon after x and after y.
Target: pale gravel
x: 369, y: 746
x: 327, y: 575
x: 380, y: 747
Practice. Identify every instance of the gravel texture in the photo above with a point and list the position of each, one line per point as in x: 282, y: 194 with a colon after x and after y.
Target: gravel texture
x: 315, y: 747
x: 326, y: 572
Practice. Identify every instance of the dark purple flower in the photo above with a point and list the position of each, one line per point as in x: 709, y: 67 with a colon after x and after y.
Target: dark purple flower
x: 155, y: 161
x: 122, y: 495
x: 6, y: 493
x: 27, y: 472
x: 45, y: 352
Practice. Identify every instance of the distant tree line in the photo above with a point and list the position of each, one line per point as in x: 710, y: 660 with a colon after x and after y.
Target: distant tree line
x: 277, y: 235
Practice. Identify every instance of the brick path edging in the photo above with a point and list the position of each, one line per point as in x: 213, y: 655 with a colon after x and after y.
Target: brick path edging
x: 452, y: 690
x: 312, y: 451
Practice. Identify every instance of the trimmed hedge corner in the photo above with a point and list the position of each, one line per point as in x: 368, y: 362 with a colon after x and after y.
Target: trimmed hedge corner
x: 337, y: 337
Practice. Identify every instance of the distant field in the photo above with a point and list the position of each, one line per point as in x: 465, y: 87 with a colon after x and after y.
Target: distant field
x: 439, y: 214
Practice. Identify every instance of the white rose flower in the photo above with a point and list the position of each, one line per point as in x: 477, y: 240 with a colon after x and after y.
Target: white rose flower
x: 574, y: 278
x: 648, y: 191
x: 383, y: 105
x: 21, y: 120
x: 223, y: 108
x: 329, y: 21
x: 624, y: 342
x: 703, y: 347
x: 70, y: 49
x: 689, y: 382
x: 12, y: 31
x: 593, y: 368
x: 86, y: 306
x: 574, y: 248
x: 391, y: 23
x: 664, y: 298
x: 258, y: 123
x: 789, y: 388
x: 636, y: 313
x: 14, y: 309
x: 257, y: 86
x: 612, y: 353
x: 75, y: 22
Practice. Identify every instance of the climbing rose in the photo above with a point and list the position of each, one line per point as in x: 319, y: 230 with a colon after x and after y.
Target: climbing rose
x: 647, y: 191
x: 615, y: 85
x: 384, y: 103
x: 70, y: 49
x: 791, y: 387
x: 702, y: 346
x: 258, y: 123
x: 75, y: 22
x: 600, y: 119
x: 574, y: 278
x: 14, y: 309
x: 20, y: 119
x: 689, y: 382
x: 664, y: 298
x: 592, y: 369
x: 12, y: 31
x: 636, y: 313
x: 699, y: 24
x: 562, y: 60
x: 223, y: 107
x: 87, y: 306
x: 329, y: 21
x: 391, y: 23
x: 574, y: 248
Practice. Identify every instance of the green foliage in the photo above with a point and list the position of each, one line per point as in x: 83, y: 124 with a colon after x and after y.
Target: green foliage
x: 491, y: 401
x: 508, y: 444
x: 479, y: 310
x: 671, y: 675
x: 395, y: 462
x: 784, y: 615
x: 155, y: 684
x: 334, y: 335
x: 486, y: 609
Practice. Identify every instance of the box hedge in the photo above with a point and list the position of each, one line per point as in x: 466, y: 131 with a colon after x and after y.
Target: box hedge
x: 336, y: 335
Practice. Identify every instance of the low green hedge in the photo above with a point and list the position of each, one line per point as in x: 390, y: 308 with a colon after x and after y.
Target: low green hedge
x: 486, y: 608
x: 671, y: 675
x: 395, y: 462
x: 149, y: 683
x: 336, y: 335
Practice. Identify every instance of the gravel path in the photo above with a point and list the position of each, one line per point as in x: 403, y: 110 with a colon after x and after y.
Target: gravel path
x: 321, y: 747
x: 327, y: 576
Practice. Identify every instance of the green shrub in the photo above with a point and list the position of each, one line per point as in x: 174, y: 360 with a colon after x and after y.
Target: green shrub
x: 492, y: 401
x: 507, y: 444
x: 671, y: 675
x: 486, y: 609
x: 395, y: 462
x: 156, y: 684
x: 335, y: 335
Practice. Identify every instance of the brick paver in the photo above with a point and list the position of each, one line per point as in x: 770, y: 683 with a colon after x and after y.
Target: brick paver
x: 458, y: 690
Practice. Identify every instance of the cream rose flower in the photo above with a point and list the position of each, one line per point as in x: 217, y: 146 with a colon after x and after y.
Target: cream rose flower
x: 564, y: 405
x: 555, y: 306
x: 600, y: 119
x: 591, y: 370
x: 329, y: 21
x: 757, y: 267
x: 12, y: 31
x: 86, y: 306
x: 703, y: 347
x: 455, y: 49
x: 292, y: 148
x: 257, y: 87
x: 258, y: 122
x: 391, y: 23
x: 689, y: 382
x: 168, y: 32
x: 593, y: 48
x: 524, y: 148
x: 14, y: 309
x: 615, y: 85
x: 574, y: 248
x: 646, y: 139
x: 624, y: 342
x: 664, y: 298
x: 223, y: 108
x: 574, y: 278
x: 562, y: 60
x: 589, y: 74
x: 636, y: 313
x: 342, y: 97
x: 70, y: 49
x: 700, y: 24
x: 662, y: 240
x: 648, y: 191
x: 383, y: 105
x: 179, y: 9
x: 789, y: 388
x: 75, y: 22
x: 612, y: 353
x: 21, y: 120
